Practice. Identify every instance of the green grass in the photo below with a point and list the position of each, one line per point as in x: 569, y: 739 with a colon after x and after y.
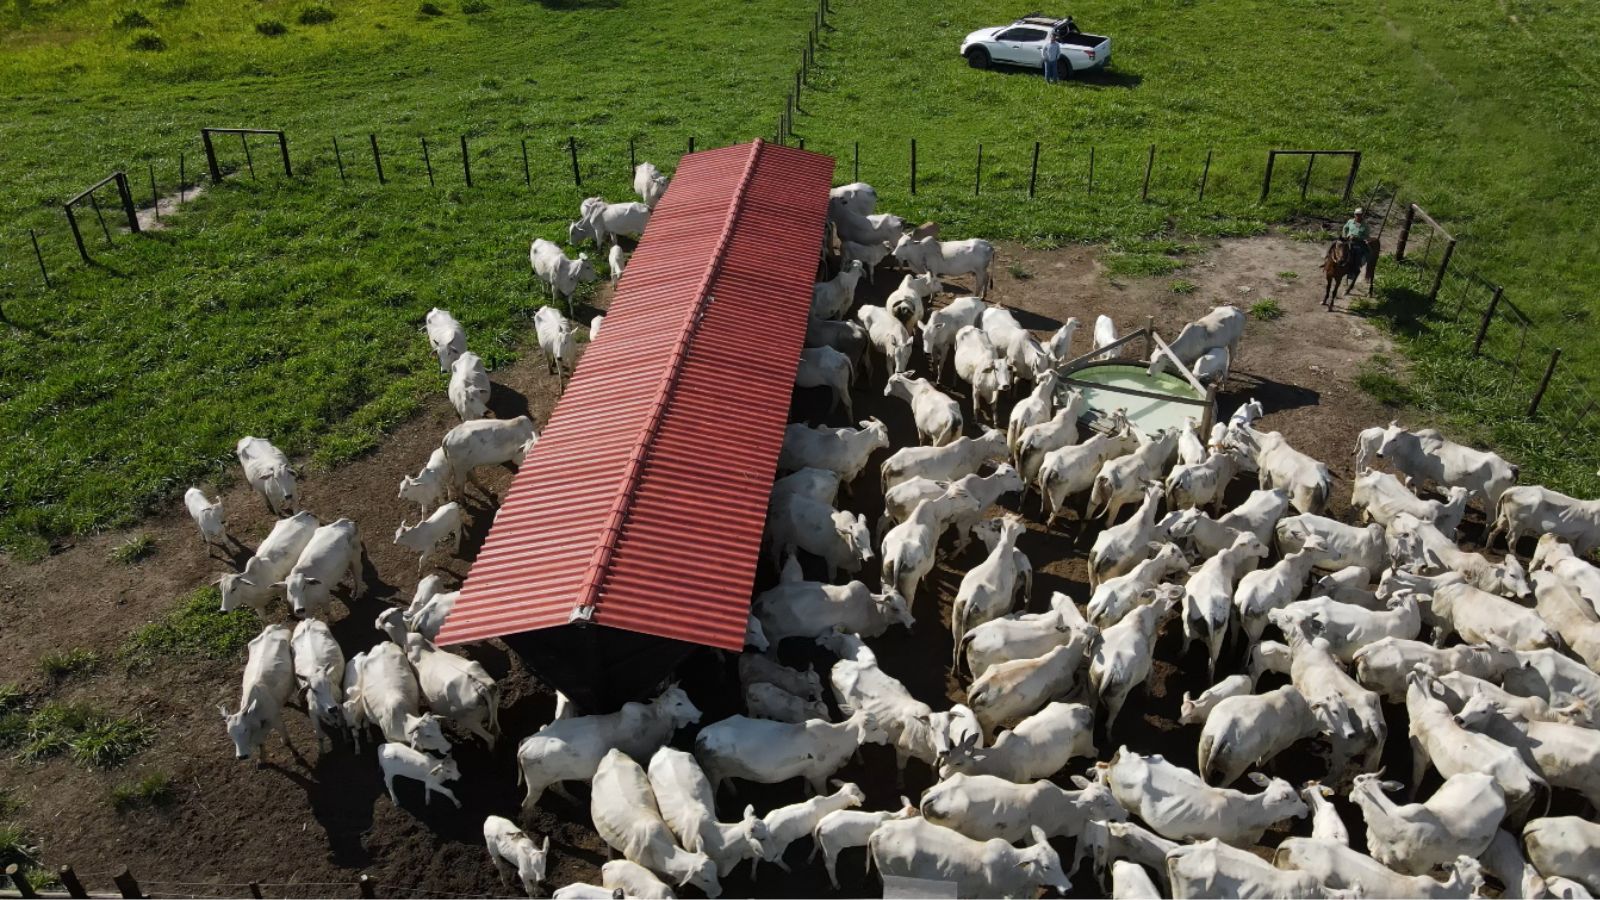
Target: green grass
x: 153, y: 790
x: 17, y: 846
x: 1288, y: 276
x: 134, y: 550
x: 291, y: 309
x: 9, y: 804
x: 195, y: 628
x: 1266, y: 310
x: 61, y: 664
x: 1183, y: 286
x: 1378, y: 381
x: 91, y: 737
x: 1018, y: 272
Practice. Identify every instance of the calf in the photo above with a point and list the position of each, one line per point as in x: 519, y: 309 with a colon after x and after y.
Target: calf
x: 771, y: 752
x: 571, y: 749
x: 650, y: 185
x: 940, y: 258
x: 443, y: 527
x: 919, y: 849
x: 331, y: 555
x: 634, y: 880
x: 269, y: 679
x: 400, y: 760
x: 845, y: 828
x: 319, y: 669
x: 560, y: 275
x: 1177, y: 804
x: 427, y: 488
x: 984, y: 807
x: 268, y: 471
x: 456, y: 689
x: 787, y: 824
x: 485, y: 442
x: 207, y: 516
x: 939, y: 333
x: 937, y: 415
x: 688, y: 806
x: 1196, y: 711
x: 832, y: 299
x: 616, y: 261
x: 269, y: 565
x: 841, y: 450
x: 625, y: 815
x: 446, y: 338
x: 557, y: 341
x: 513, y: 852
x: 1381, y: 497
x: 1245, y: 732
x: 1122, y: 660
x: 827, y: 367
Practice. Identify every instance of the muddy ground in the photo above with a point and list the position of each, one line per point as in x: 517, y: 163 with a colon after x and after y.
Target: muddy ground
x: 318, y: 820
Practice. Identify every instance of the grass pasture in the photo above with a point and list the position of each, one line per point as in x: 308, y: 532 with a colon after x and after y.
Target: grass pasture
x: 291, y: 309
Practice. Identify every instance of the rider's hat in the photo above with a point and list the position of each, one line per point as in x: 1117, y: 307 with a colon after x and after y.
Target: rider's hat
x: 1360, y: 211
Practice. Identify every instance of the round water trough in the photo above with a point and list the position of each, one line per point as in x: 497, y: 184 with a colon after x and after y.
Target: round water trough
x: 1150, y: 402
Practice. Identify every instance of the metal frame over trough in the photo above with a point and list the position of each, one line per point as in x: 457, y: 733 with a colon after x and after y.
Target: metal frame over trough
x: 1164, y: 400
x: 631, y: 534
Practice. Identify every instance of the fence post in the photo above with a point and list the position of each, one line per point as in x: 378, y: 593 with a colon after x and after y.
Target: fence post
x: 466, y: 162
x: 1488, y: 316
x: 377, y: 158
x: 1144, y: 192
x: 1266, y: 180
x: 367, y: 889
x: 572, y: 151
x: 1091, y: 168
x: 20, y: 881
x: 1305, y: 183
x: 127, y: 885
x: 69, y: 880
x: 101, y: 218
x: 1033, y: 172
x: 1205, y: 174
x: 283, y: 150
x: 77, y: 234
x: 1444, y: 265
x: 797, y: 80
x: 1350, y: 180
x: 40, y: 256
x: 632, y: 164
x: 155, y: 198
x: 691, y: 143
x: 127, y: 202
x: 977, y: 182
x: 244, y: 141
x: 913, y: 167
x: 1405, y: 233
x: 211, y: 156
x: 856, y: 172
x: 255, y: 890
x: 427, y: 161
x: 183, y: 179
x: 527, y: 176
x: 1549, y: 370
x: 338, y: 158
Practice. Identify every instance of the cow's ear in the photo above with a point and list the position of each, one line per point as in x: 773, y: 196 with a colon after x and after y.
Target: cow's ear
x: 313, y: 581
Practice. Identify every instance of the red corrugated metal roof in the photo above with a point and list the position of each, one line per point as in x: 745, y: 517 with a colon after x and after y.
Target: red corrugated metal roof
x: 642, y: 505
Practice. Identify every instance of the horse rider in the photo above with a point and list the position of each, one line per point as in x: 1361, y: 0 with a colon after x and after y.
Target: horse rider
x: 1356, y: 233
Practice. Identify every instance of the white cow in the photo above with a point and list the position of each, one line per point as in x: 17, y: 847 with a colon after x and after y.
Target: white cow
x: 841, y: 450
x: 1381, y: 497
x: 1482, y: 618
x: 560, y: 275
x: 331, y: 555
x: 911, y: 547
x: 1264, y: 590
x: 456, y: 689
x: 269, y: 679
x: 986, y: 371
x: 1130, y: 881
x: 1342, y: 545
x: 626, y: 817
x: 633, y: 880
x: 1119, y: 549
x: 1351, y: 716
x: 1307, y: 481
x: 319, y: 669
x: 1565, y: 847
x: 446, y: 338
x: 956, y: 459
x: 650, y: 185
x: 869, y: 254
x: 207, y: 516
x: 1245, y: 732
x: 769, y: 752
x: 843, y: 829
x: 1122, y: 660
x: 604, y: 222
x: 888, y: 336
x: 768, y: 701
x: 268, y: 471
x: 1208, y: 595
x: 842, y: 539
x: 1326, y: 825
x: 1384, y: 666
x: 1071, y: 469
x: 972, y: 498
x: 1059, y: 346
x: 908, y: 301
x: 398, y: 760
x: 833, y: 298
x: 788, y: 824
x: 1568, y: 756
x: 1534, y: 510
x: 1460, y: 819
x: 827, y: 367
x: 940, y: 258
x: 485, y: 442
x: 1560, y: 605
x: 1102, y: 842
x: 813, y: 609
x: 276, y: 555
x: 1009, y: 692
x: 1195, y: 711
x: 983, y: 807
x: 1212, y: 869
x: 443, y: 527
x: 1038, y: 440
x: 758, y: 668
x: 1035, y: 409
x: 571, y: 749
x: 430, y: 617
x: 427, y: 488
x: 1556, y: 556
x: 1347, y: 627
x: 1425, y: 456
x: 557, y: 341
x: 1023, y: 635
x: 1222, y: 327
x: 1421, y: 547
x: 1123, y: 479
x: 1354, y: 874
x: 849, y: 338
x: 616, y: 260
x: 919, y: 849
x: 989, y: 589
x: 1201, y: 484
x: 469, y: 386
x: 389, y: 698
x: 937, y: 415
x: 1116, y: 597
x: 686, y: 802
x: 1179, y: 805
x: 939, y: 333
x: 1105, y: 334
x: 513, y: 852
x: 1440, y: 740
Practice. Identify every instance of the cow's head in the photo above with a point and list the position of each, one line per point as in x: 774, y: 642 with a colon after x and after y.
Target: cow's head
x: 678, y: 707
x: 892, y: 606
x: 243, y: 728
x: 1043, y: 864
x: 1391, y: 438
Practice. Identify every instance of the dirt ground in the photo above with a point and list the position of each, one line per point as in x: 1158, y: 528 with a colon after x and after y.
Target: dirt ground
x: 318, y: 820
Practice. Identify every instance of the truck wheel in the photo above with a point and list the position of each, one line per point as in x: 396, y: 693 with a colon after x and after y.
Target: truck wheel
x: 1063, y: 68
x: 978, y: 58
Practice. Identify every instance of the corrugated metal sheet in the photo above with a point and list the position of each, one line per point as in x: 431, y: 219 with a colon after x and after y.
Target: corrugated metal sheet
x: 642, y: 505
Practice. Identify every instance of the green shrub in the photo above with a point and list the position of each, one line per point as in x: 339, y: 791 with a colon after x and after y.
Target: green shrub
x: 61, y: 664
x: 1183, y: 286
x: 430, y: 9
x: 196, y: 627
x: 271, y: 28
x: 130, y: 20
x: 92, y: 737
x: 148, y: 41
x: 134, y: 550
x: 16, y: 847
x: 152, y: 790
x: 1266, y: 310
x: 1018, y: 272
x: 1288, y: 276
x: 316, y: 15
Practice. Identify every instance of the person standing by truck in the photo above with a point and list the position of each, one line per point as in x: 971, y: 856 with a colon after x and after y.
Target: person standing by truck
x: 1052, y: 58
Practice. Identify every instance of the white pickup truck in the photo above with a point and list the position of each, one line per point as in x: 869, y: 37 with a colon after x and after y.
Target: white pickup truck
x: 1022, y: 44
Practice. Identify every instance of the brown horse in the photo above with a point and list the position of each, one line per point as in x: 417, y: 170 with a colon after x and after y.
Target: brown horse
x: 1341, y: 262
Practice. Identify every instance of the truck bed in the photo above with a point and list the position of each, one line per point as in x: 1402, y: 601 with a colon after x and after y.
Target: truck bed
x: 1083, y: 40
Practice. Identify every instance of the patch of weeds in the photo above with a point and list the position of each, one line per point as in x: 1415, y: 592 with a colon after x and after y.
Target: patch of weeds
x: 196, y: 627
x: 1308, y: 235
x: 131, y: 19
x: 61, y: 664
x: 430, y: 9
x: 149, y: 42
x: 17, y: 847
x: 92, y: 737
x: 134, y: 550
x: 107, y: 741
x: 153, y: 790
x: 1375, y: 380
x: 1018, y: 272
x: 473, y: 7
x: 11, y: 698
x: 1183, y: 286
x: 1288, y: 276
x: 271, y: 28
x: 1142, y: 264
x: 9, y: 804
x: 316, y: 15
x: 1266, y: 310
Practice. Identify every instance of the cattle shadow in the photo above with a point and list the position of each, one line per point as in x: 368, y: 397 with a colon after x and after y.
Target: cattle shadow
x: 1275, y: 396
x: 505, y: 402
x: 1092, y: 78
x: 575, y: 5
x: 341, y: 790
x: 1033, y: 321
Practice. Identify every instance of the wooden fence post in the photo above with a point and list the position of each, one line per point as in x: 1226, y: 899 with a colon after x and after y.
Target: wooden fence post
x: 1266, y: 180
x: 69, y: 880
x: 856, y: 172
x: 1444, y: 265
x: 1549, y: 370
x: 977, y: 182
x: 77, y: 234
x: 1091, y: 168
x: 244, y: 141
x: 283, y: 150
x: 797, y: 80
x: 101, y: 218
x: 1405, y: 233
x: 1488, y: 316
x: 572, y: 151
x: 183, y: 178
x: 377, y: 158
x: 1305, y: 183
x: 427, y: 161
x: 255, y: 890
x: 1144, y: 192
x: 211, y: 156
x: 155, y: 198
x: 527, y: 176
x: 1033, y: 173
x: 1205, y: 174
x: 127, y: 885
x: 40, y: 256
x: 338, y: 158
x: 691, y: 143
x: 20, y: 881
x: 367, y: 889
x: 1350, y: 180
x: 913, y: 167
x: 632, y: 164
x: 126, y: 193
x: 466, y: 161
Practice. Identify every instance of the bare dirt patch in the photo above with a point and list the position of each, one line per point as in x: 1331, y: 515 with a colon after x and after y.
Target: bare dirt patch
x: 318, y: 819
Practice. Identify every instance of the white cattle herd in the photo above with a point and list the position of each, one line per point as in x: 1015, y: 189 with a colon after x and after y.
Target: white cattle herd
x: 1349, y: 618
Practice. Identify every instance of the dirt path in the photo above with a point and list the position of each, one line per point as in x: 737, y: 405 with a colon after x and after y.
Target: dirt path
x: 314, y: 817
